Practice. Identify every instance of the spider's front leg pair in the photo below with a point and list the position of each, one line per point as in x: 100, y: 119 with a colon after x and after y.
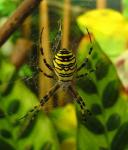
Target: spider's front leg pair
x: 85, y: 62
x: 44, y: 60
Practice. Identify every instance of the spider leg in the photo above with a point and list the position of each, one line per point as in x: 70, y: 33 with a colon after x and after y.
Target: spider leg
x: 57, y: 39
x: 42, y: 53
x: 85, y: 74
x: 84, y: 111
x: 54, y: 47
x: 34, y: 111
x: 89, y: 53
x: 45, y: 74
x: 33, y: 78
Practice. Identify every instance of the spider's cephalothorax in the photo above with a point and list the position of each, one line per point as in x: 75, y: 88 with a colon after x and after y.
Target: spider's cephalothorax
x: 64, y: 65
x: 66, y: 70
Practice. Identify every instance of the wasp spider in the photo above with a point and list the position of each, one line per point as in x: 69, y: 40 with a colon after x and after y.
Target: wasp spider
x: 65, y: 70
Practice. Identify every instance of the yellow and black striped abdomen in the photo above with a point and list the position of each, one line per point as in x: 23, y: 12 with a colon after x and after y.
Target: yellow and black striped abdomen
x: 65, y: 65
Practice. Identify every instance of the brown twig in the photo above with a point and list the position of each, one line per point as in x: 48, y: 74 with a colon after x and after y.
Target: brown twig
x: 45, y: 83
x: 16, y: 19
x: 101, y: 4
x: 66, y: 23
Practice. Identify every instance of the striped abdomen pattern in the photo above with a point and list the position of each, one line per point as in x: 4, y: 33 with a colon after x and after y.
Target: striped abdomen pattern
x: 64, y: 64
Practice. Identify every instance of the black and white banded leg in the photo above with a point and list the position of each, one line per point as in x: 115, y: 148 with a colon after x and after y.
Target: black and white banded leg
x: 45, y: 74
x: 84, y: 111
x: 33, y: 112
x: 42, y: 53
x: 85, y: 74
x: 89, y: 53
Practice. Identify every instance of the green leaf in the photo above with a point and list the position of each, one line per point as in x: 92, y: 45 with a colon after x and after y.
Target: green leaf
x: 5, y: 133
x: 96, y: 109
x: 27, y: 128
x: 89, y: 65
x: 46, y: 146
x: 13, y: 107
x: 94, y: 125
x: 110, y: 94
x: 10, y: 84
x: 87, y: 86
x: 102, y: 68
x: 113, y: 122
x: 85, y: 139
x: 2, y: 114
x: 5, y: 145
x: 120, y: 140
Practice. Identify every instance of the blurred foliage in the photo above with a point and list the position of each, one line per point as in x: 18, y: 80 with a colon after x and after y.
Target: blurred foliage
x: 51, y: 132
x: 102, y: 91
x: 10, y: 6
x: 108, y: 26
x: 110, y: 30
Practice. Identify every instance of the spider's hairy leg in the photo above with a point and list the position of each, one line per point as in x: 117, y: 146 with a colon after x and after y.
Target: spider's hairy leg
x: 33, y: 112
x: 57, y: 40
x: 85, y: 112
x: 42, y: 52
x: 89, y: 53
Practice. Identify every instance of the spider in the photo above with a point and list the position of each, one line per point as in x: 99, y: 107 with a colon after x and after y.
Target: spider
x: 65, y: 71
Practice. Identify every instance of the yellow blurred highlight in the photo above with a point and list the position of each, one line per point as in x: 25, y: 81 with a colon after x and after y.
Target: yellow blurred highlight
x: 109, y: 28
x: 67, y: 120
x: 107, y: 21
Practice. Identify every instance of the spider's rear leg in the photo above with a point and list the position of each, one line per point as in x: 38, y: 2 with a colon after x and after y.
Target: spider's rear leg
x: 33, y: 112
x: 84, y: 111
